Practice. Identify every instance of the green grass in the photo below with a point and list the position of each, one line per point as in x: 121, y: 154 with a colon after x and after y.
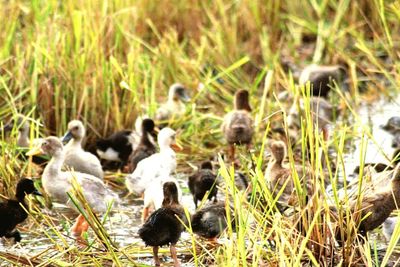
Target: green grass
x: 106, y: 62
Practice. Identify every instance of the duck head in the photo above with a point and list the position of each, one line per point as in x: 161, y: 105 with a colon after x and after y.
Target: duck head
x: 148, y: 126
x: 19, y: 121
x: 278, y: 151
x: 51, y: 146
x: 76, y: 131
x: 170, y: 193
x: 242, y: 100
x: 206, y: 165
x: 26, y: 187
x: 166, y: 139
x: 177, y: 92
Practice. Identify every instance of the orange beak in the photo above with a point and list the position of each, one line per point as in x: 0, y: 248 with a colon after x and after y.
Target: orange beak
x: 34, y: 151
x: 176, y: 147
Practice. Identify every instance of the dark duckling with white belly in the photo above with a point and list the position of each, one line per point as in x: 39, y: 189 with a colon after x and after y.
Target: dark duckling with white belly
x: 202, y: 181
x: 163, y: 226
x: 210, y: 221
x: 117, y: 147
x: 12, y: 211
x: 392, y: 125
x: 321, y: 78
x: 238, y: 126
x: 146, y: 147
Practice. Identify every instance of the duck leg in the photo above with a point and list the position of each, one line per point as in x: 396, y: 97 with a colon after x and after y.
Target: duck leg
x: 80, y: 226
x: 174, y: 255
x: 155, y: 255
x: 15, y: 234
x: 145, y: 213
x: 231, y: 152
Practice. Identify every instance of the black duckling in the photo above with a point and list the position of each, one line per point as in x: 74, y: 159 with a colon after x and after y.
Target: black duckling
x: 118, y: 146
x: 11, y: 211
x: 392, y: 125
x: 146, y: 147
x: 202, y: 181
x: 163, y: 226
x: 321, y: 78
x: 210, y: 221
x: 237, y: 126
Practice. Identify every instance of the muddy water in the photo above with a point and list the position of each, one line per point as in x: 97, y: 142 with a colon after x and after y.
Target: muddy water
x: 124, y: 222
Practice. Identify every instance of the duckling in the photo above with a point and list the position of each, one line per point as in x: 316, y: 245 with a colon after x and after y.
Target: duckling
x: 174, y: 107
x: 151, y: 171
x: 12, y: 211
x: 163, y: 227
x: 377, y: 205
x: 57, y: 183
x: 237, y: 126
x: 280, y: 176
x: 210, y: 221
x: 23, y: 141
x: 118, y: 146
x: 202, y: 181
x: 75, y: 156
x: 146, y: 146
x: 321, y: 78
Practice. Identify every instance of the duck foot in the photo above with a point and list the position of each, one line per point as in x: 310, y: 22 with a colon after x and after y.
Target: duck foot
x: 155, y: 256
x: 174, y: 256
x: 79, y: 228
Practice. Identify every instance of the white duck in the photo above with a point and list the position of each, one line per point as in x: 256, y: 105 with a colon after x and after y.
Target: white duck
x: 57, y: 183
x: 21, y: 123
x: 155, y: 168
x: 75, y: 156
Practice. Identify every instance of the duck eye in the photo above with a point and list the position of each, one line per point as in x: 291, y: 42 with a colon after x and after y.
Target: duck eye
x: 75, y: 128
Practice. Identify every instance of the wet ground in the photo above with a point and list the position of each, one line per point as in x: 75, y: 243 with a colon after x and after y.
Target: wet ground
x: 125, y: 221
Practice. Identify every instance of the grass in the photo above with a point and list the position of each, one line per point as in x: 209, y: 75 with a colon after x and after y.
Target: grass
x: 107, y: 62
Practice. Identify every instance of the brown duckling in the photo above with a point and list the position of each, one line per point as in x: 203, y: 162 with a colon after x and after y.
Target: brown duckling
x: 146, y: 147
x: 210, y: 221
x: 202, y: 181
x: 321, y: 78
x: 12, y: 211
x: 375, y: 206
x: 280, y: 176
x: 237, y: 126
x: 163, y: 226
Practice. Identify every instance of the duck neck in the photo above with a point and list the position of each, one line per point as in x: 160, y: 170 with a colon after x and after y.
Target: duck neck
x: 20, y: 196
x: 170, y: 201
x: 145, y: 139
x: 166, y: 149
x: 74, y: 143
x: 53, y: 168
x: 23, y: 138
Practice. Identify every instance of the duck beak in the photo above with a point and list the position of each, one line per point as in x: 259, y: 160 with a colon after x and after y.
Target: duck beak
x: 177, y: 147
x: 34, y: 151
x: 68, y: 136
x: 184, y: 96
x: 8, y: 127
x: 37, y: 193
x: 156, y: 130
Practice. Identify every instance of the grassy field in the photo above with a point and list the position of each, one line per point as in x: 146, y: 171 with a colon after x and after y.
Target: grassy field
x: 106, y: 62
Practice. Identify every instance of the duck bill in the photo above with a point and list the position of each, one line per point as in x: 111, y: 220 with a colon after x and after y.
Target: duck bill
x: 68, y: 136
x: 34, y: 151
x: 156, y: 130
x: 176, y: 147
x: 37, y: 193
x: 7, y: 128
x: 184, y: 96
